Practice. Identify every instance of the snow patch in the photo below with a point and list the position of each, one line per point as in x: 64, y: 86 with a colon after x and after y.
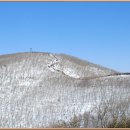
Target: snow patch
x: 71, y: 73
x: 55, y: 66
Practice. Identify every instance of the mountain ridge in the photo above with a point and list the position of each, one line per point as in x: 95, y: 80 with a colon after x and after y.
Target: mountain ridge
x: 38, y: 89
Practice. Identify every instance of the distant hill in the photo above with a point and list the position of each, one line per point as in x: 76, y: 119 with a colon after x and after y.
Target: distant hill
x: 39, y: 89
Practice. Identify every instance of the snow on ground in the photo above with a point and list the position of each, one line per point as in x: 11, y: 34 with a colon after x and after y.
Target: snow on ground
x: 71, y: 73
x: 32, y: 95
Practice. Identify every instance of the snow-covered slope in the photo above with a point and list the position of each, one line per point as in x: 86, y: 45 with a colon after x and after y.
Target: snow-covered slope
x: 38, y: 89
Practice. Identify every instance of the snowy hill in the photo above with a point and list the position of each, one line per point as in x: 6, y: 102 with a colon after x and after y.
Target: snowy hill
x: 38, y: 89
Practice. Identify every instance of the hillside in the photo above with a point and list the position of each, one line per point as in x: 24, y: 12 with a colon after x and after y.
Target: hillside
x: 38, y: 89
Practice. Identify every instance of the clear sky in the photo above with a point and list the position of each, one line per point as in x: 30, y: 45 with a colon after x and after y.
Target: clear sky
x: 95, y: 31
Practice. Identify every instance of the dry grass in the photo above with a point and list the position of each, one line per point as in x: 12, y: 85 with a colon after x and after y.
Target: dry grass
x: 82, y: 121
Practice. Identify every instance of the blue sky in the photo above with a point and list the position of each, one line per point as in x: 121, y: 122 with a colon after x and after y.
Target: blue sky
x: 95, y: 31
